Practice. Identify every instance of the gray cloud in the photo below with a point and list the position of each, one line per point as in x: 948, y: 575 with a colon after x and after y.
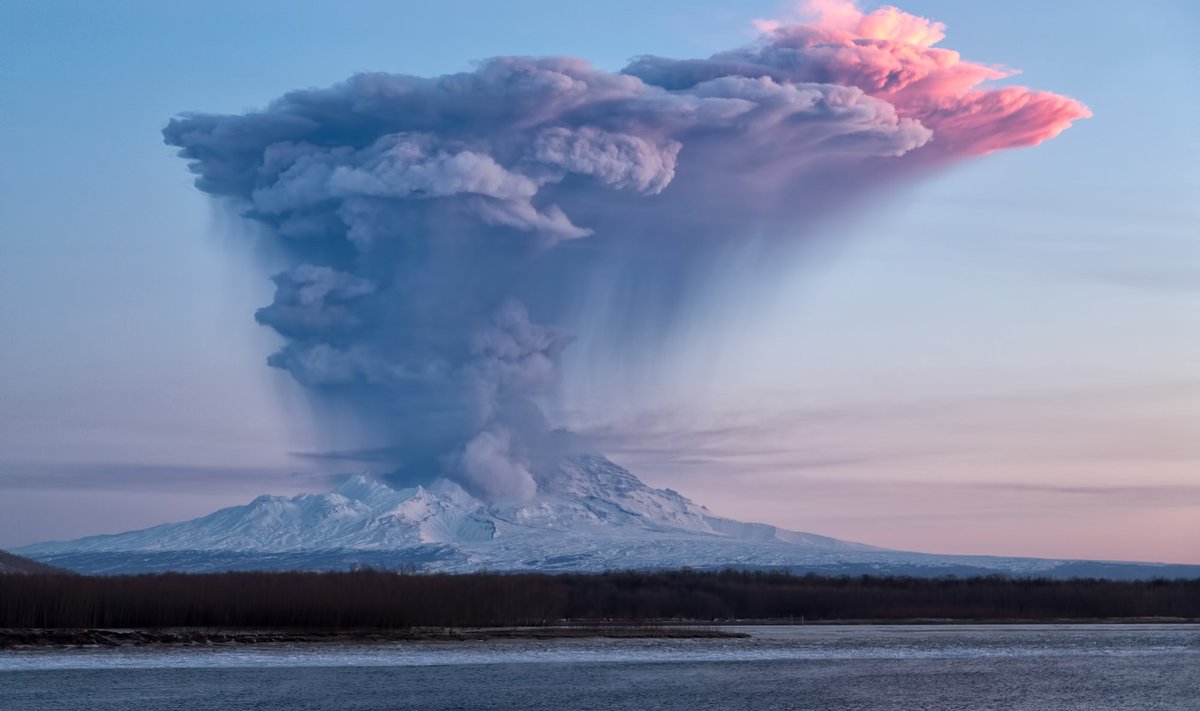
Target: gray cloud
x: 430, y: 225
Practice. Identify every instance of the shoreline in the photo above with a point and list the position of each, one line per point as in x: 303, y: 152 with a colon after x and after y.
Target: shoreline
x: 38, y: 638
x: 215, y: 637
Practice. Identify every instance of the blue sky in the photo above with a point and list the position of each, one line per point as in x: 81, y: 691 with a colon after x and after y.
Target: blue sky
x: 1013, y: 341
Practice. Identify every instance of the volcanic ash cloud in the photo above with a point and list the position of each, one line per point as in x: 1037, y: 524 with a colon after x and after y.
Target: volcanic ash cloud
x: 439, y: 228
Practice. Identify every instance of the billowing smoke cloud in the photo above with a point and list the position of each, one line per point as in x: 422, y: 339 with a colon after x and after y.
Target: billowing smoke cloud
x: 436, y: 225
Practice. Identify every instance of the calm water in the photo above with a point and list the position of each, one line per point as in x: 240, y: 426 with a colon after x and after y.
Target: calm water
x: 815, y: 667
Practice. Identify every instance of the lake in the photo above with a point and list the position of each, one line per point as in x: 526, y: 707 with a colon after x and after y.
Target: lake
x: 967, y: 667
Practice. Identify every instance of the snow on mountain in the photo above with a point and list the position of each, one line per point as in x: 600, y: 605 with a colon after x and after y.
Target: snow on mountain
x: 591, y: 497
x: 592, y: 515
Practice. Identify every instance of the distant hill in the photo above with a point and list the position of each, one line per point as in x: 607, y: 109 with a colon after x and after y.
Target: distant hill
x: 16, y: 565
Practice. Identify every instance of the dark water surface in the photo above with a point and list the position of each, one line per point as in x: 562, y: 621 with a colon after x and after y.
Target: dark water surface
x: 816, y: 667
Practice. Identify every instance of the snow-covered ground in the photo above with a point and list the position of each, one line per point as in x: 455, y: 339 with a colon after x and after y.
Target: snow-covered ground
x: 593, y: 515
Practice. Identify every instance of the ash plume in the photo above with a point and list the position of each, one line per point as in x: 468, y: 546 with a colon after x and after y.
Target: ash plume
x: 440, y: 230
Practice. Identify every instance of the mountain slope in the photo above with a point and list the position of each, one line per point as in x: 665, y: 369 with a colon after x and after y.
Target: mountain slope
x: 591, y: 515
x: 16, y: 565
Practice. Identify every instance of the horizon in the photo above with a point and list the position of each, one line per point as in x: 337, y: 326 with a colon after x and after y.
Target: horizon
x: 989, y: 352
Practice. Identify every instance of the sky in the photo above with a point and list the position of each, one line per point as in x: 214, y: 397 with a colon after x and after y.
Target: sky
x: 995, y: 358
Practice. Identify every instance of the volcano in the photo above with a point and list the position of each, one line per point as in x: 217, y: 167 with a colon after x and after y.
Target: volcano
x: 592, y: 515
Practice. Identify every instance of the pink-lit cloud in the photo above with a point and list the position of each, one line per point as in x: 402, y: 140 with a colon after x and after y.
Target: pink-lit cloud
x: 891, y: 55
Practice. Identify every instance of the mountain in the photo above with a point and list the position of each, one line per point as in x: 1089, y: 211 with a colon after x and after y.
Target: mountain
x: 16, y: 565
x: 592, y: 515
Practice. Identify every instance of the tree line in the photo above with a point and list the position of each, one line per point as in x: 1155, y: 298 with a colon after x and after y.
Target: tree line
x: 389, y: 600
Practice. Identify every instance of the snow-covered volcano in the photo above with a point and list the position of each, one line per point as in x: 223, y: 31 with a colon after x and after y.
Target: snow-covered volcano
x: 592, y: 515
